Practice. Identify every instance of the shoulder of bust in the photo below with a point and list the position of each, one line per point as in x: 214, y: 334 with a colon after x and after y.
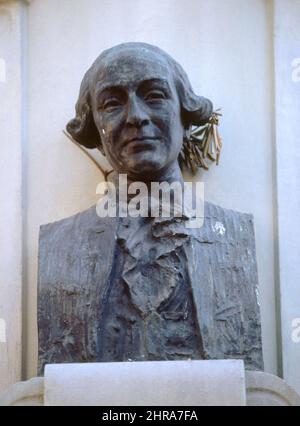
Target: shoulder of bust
x: 215, y: 211
x: 84, y: 219
x: 225, y: 225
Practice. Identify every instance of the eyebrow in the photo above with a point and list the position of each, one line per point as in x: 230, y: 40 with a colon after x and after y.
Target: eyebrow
x: 102, y: 87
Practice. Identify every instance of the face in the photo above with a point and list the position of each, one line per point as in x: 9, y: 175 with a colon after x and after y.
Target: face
x: 137, y: 113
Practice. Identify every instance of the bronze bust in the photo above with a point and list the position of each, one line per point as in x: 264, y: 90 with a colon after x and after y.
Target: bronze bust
x: 145, y: 288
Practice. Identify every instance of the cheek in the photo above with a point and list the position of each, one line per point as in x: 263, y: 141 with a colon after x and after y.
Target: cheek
x: 170, y: 113
x: 104, y: 126
x: 109, y: 129
x: 164, y: 121
x: 170, y: 123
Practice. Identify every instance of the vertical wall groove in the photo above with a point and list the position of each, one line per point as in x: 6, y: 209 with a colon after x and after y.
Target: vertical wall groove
x: 271, y: 8
x: 24, y: 144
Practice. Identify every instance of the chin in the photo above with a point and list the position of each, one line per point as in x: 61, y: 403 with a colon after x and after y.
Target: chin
x: 145, y: 170
x: 145, y: 165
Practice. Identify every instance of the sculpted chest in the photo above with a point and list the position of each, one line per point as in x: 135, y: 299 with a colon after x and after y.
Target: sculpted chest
x: 79, y: 262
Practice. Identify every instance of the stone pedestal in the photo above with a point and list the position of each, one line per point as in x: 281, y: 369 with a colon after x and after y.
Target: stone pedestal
x: 149, y: 383
x: 160, y: 383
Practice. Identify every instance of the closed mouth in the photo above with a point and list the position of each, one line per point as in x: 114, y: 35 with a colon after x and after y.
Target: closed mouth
x: 138, y: 144
x: 140, y: 139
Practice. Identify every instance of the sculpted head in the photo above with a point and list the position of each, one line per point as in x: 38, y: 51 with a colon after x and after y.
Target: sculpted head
x: 136, y: 104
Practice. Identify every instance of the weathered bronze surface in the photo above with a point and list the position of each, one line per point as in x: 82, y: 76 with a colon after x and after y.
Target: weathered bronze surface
x: 115, y: 288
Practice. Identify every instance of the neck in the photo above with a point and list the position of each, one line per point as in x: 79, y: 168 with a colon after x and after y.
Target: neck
x: 172, y: 174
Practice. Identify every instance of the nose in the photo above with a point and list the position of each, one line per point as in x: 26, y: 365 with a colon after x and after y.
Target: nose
x: 136, y: 114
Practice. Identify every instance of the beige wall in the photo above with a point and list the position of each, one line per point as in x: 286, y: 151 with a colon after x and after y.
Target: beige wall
x: 11, y: 17
x: 222, y: 46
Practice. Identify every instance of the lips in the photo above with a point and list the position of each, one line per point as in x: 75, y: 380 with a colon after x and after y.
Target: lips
x: 139, y: 143
x: 140, y: 139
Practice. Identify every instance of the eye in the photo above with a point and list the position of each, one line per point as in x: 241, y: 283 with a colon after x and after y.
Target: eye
x: 155, y: 95
x: 111, y: 104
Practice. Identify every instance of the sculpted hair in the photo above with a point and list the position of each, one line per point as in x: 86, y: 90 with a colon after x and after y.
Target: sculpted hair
x: 195, y: 110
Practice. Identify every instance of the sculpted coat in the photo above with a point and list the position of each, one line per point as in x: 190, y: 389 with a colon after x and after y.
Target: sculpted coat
x: 77, y: 267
